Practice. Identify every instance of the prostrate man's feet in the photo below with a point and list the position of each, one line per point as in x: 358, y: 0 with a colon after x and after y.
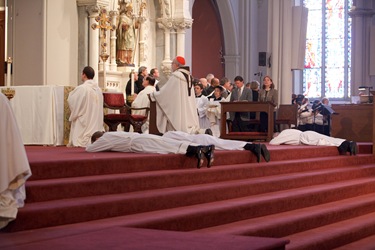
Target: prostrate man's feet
x: 202, y: 151
x: 353, y: 149
x: 195, y: 151
x: 348, y: 146
x: 259, y: 150
x: 208, y: 152
x: 265, y: 153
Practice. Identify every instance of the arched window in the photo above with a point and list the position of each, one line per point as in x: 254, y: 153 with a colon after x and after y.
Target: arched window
x: 328, y: 49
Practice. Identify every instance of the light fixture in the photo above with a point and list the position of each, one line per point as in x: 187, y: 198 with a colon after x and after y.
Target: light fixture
x: 368, y: 94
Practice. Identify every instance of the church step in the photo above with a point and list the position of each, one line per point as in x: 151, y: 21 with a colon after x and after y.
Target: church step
x: 44, y: 190
x: 367, y: 243
x: 334, y: 235
x: 294, y: 221
x: 59, y: 163
x: 206, y: 214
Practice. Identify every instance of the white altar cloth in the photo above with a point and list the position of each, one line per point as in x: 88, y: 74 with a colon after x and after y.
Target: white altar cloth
x: 39, y: 111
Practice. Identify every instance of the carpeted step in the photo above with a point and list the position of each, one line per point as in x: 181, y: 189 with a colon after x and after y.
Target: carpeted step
x: 44, y: 214
x: 367, y: 243
x: 294, y: 221
x: 44, y: 190
x: 334, y: 235
x: 62, y: 162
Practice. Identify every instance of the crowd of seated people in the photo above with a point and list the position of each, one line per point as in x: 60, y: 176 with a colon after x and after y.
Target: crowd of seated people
x: 315, y: 115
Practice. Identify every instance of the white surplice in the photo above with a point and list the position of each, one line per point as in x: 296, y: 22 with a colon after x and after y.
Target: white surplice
x: 202, y: 105
x: 121, y: 141
x: 86, y: 106
x: 297, y: 137
x: 14, y: 165
x: 142, y: 101
x: 204, y: 139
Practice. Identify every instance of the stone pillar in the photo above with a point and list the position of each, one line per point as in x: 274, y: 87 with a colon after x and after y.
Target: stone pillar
x: 361, y: 15
x: 166, y: 25
x: 93, y: 11
x: 181, y: 25
x: 141, y: 52
x: 112, y: 59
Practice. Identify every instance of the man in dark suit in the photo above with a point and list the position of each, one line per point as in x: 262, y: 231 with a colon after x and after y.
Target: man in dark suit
x: 240, y: 93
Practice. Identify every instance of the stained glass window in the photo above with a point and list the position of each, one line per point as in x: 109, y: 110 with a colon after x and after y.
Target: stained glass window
x: 328, y: 49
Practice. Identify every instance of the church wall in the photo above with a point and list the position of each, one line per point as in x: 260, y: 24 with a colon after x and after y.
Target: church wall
x: 61, y: 43
x: 43, y: 42
x: 27, y: 43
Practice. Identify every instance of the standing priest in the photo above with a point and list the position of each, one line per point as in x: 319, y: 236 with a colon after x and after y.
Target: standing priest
x: 175, y: 102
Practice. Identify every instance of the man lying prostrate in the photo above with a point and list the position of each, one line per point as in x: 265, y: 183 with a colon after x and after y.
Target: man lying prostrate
x: 220, y: 144
x: 14, y: 165
x: 147, y: 143
x: 297, y: 137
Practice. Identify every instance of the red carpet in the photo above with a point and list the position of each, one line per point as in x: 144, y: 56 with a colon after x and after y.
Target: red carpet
x: 301, y: 195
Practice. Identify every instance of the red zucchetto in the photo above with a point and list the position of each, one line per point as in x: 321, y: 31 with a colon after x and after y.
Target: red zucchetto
x: 180, y: 60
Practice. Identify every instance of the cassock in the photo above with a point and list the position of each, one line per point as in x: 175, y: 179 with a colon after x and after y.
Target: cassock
x: 138, y: 143
x: 175, y: 104
x: 86, y: 106
x: 142, y: 101
x: 14, y: 165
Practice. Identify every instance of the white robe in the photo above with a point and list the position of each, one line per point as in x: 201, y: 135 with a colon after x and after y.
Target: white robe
x: 204, y: 139
x: 297, y: 137
x: 14, y: 165
x: 214, y: 115
x: 202, y: 105
x: 86, y: 106
x: 176, y: 110
x: 138, y: 143
x: 142, y: 101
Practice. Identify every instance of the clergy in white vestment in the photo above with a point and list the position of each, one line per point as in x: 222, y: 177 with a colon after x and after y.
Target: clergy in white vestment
x: 202, y: 105
x: 14, y: 165
x: 175, y: 101
x: 142, y: 100
x: 86, y: 106
x: 121, y: 141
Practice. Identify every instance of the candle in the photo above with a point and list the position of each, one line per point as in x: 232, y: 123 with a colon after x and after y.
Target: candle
x: 132, y: 82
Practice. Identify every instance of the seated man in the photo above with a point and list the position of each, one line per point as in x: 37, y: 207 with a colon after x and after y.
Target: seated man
x: 86, y: 106
x: 14, y: 165
x: 297, y: 137
x: 148, y: 143
x: 221, y: 144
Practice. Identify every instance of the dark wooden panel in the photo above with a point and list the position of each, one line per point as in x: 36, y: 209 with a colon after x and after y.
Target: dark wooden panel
x: 353, y: 122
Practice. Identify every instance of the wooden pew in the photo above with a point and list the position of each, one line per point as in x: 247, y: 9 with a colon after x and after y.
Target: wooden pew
x: 352, y: 122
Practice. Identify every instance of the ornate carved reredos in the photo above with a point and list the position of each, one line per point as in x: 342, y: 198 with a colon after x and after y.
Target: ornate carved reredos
x: 182, y: 24
x: 165, y: 23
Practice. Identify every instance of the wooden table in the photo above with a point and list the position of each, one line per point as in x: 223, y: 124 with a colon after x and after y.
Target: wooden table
x: 247, y: 107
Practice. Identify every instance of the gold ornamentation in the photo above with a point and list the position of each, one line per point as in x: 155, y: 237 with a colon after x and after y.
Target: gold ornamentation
x: 9, y: 93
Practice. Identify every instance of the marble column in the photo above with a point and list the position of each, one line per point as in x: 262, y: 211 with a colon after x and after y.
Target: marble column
x: 166, y: 25
x: 361, y: 14
x: 181, y: 25
x: 93, y: 11
x: 112, y: 59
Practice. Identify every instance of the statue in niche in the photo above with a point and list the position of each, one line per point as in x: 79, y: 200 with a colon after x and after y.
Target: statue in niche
x: 126, y: 36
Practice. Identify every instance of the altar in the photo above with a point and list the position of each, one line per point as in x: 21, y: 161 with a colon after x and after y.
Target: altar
x: 39, y: 111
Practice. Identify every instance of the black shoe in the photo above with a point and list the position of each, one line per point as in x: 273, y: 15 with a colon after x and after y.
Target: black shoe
x: 265, y: 153
x: 195, y: 151
x: 344, y: 147
x: 255, y: 149
x: 352, y: 149
x: 208, y: 152
x: 208, y: 131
